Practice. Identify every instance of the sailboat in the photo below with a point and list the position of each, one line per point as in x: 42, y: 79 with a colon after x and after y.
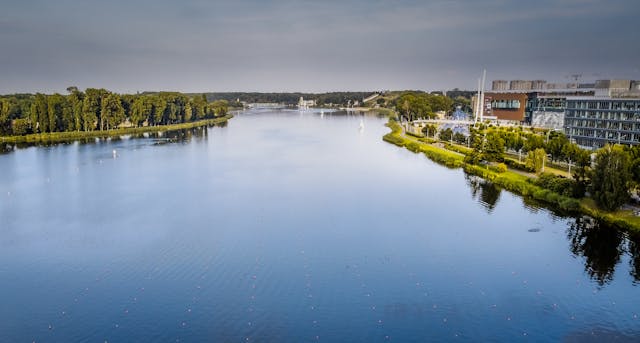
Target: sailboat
x: 361, y: 124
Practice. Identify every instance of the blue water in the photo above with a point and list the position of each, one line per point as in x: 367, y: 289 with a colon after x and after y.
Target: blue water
x: 287, y: 226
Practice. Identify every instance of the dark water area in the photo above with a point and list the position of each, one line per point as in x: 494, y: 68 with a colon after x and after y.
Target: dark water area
x: 287, y: 226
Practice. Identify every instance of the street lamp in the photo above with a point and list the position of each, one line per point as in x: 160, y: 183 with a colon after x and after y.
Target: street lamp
x: 520, y: 155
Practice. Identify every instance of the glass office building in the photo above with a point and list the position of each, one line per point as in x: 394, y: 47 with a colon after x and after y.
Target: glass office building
x: 593, y: 122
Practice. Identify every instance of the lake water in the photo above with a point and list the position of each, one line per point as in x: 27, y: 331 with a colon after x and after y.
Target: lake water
x: 285, y: 226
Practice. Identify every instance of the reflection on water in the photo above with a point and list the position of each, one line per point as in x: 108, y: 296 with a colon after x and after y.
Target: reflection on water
x: 601, y: 247
x: 486, y: 192
x: 634, y: 251
x: 291, y: 226
x: 162, y: 137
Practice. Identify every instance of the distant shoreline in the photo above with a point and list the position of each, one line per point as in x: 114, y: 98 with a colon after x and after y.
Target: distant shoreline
x: 59, y: 137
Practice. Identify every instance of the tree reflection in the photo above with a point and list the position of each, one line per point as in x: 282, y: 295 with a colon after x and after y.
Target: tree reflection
x: 6, y: 148
x: 634, y: 253
x: 601, y: 246
x: 486, y: 192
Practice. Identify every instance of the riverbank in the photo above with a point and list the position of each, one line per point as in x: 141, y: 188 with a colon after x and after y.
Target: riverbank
x: 511, y: 180
x: 58, y: 137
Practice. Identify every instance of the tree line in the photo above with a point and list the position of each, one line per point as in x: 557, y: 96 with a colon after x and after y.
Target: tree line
x: 419, y: 105
x: 100, y: 109
x: 610, y: 175
x: 322, y: 99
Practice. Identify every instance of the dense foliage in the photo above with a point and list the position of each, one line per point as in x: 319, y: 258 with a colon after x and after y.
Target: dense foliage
x: 418, y: 105
x: 99, y: 109
x: 611, y: 177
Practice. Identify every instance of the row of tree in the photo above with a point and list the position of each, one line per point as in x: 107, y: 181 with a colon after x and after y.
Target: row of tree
x: 100, y: 109
x: 419, y: 105
x: 609, y: 174
x: 322, y: 99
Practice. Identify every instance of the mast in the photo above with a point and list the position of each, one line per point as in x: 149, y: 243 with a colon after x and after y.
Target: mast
x: 484, y: 76
x: 477, y: 109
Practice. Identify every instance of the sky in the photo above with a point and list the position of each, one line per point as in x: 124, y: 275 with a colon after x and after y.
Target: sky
x: 311, y: 46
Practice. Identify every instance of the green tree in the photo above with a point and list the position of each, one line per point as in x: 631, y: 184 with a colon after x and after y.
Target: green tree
x: 580, y: 159
x: 430, y: 130
x: 22, y: 126
x: 199, y: 107
x: 92, y: 108
x: 439, y: 102
x: 159, y: 107
x: 446, y: 134
x: 533, y: 142
x: 513, y: 141
x: 141, y: 110
x: 556, y: 145
x: 634, y: 154
x: 494, y: 146
x: 459, y: 138
x: 188, y: 112
x: 5, y: 122
x: 535, y: 159
x: 219, y: 108
x: 477, y: 140
x: 40, y: 113
x: 112, y: 112
x: 55, y: 105
x: 75, y: 102
x: 414, y: 106
x: 610, y: 177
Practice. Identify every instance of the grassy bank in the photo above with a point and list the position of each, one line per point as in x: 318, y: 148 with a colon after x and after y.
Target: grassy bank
x: 511, y: 180
x: 57, y: 137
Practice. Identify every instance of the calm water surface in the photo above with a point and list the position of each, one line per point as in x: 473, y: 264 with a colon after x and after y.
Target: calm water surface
x: 293, y: 227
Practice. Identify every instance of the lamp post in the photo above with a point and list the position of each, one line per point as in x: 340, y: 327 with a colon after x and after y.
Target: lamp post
x: 520, y: 155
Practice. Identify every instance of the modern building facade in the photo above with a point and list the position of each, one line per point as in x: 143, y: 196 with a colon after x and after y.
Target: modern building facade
x: 506, y: 106
x: 546, y: 108
x: 593, y: 122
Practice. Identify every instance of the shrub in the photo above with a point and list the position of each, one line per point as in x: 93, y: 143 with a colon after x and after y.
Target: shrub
x: 558, y: 184
x: 517, y: 165
x: 413, y: 146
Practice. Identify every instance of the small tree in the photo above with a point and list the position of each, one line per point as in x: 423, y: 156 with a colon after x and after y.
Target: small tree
x: 610, y: 177
x: 535, y: 159
x: 459, y: 138
x: 494, y: 146
x: 429, y: 130
x: 445, y: 134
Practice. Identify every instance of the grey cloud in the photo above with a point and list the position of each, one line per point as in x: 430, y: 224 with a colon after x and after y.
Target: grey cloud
x: 198, y: 45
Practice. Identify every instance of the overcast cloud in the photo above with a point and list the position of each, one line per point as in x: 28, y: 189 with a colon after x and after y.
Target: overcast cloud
x: 197, y: 45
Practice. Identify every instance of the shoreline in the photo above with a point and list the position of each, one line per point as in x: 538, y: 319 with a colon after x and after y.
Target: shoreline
x: 60, y: 137
x: 514, y: 182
